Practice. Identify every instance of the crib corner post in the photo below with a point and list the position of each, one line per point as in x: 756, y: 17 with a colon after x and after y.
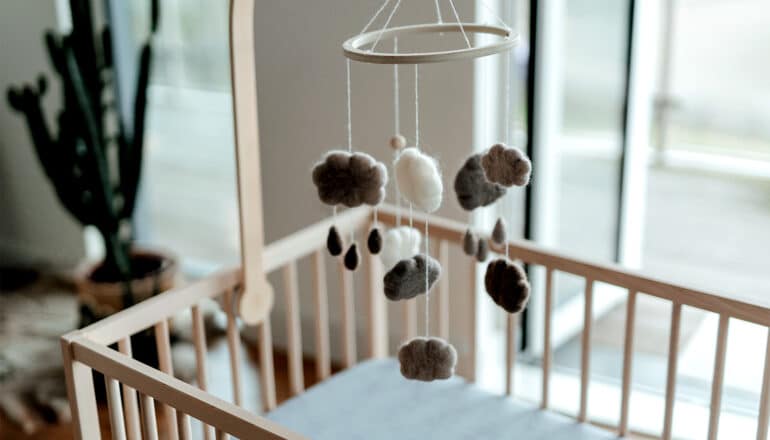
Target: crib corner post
x: 80, y: 391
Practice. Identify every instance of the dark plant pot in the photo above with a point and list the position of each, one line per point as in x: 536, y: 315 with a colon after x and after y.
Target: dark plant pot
x: 100, y: 297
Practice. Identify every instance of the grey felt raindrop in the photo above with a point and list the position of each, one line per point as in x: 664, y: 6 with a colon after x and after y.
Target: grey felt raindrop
x: 334, y: 242
x: 507, y: 285
x: 374, y: 241
x: 470, y: 243
x: 499, y: 234
x: 482, y: 252
x: 352, y: 257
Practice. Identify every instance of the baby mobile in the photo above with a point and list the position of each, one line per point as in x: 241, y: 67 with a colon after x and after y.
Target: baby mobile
x: 353, y: 178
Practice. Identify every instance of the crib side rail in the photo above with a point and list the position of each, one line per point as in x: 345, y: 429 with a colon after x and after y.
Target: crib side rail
x: 755, y: 310
x: 133, y: 412
x: 154, y: 385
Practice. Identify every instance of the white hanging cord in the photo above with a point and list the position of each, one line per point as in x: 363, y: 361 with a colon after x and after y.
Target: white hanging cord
x: 374, y: 17
x: 438, y: 12
x: 385, y: 26
x: 396, y: 102
x: 507, y: 79
x: 427, y: 284
x: 462, y: 29
x: 350, y: 124
x: 397, y: 124
x: 411, y: 215
x: 495, y: 15
x: 417, y: 105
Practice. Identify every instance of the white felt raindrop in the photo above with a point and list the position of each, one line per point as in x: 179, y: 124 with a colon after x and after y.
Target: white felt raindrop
x: 419, y: 179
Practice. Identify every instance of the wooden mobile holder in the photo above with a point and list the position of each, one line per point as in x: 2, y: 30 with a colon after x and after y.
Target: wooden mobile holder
x: 354, y: 48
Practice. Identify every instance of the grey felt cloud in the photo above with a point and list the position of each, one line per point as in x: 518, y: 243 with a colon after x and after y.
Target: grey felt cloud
x: 407, y: 278
x: 507, y: 285
x: 427, y: 359
x: 499, y: 232
x: 350, y: 179
x: 506, y: 165
x: 470, y: 243
x: 472, y: 187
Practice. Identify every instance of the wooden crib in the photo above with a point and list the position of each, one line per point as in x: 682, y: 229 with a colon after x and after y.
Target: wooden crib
x: 133, y: 389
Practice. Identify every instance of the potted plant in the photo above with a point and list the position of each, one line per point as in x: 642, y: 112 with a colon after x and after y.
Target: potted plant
x: 94, y: 160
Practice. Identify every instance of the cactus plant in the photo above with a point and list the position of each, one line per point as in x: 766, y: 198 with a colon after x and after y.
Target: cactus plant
x: 93, y: 168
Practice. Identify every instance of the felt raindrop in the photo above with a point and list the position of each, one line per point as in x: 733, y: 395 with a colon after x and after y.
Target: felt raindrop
x: 472, y: 188
x: 407, y: 279
x: 399, y: 244
x: 499, y: 232
x: 419, y: 179
x: 482, y: 251
x: 427, y: 359
x: 350, y: 179
x: 352, y: 257
x: 506, y: 165
x: 334, y: 242
x: 374, y: 241
x: 507, y: 285
x: 470, y: 243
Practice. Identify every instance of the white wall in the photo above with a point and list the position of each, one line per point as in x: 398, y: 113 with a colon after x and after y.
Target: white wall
x: 33, y: 226
x: 301, y: 82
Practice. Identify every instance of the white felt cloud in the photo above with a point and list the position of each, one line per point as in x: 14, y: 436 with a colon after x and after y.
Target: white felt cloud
x: 399, y: 244
x: 419, y: 179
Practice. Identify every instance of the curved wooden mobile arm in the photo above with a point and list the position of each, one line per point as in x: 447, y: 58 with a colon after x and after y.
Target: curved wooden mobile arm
x: 256, y: 299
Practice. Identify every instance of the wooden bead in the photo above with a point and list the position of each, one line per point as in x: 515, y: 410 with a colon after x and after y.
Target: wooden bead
x: 397, y: 142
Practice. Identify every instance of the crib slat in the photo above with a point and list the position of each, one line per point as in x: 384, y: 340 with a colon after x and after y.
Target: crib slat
x: 510, y: 351
x: 266, y: 366
x: 585, y: 350
x: 115, y: 408
x: 164, y: 362
x: 221, y: 435
x: 149, y: 421
x: 764, y: 398
x: 628, y: 350
x: 199, y: 340
x: 348, y: 317
x: 293, y: 329
x: 323, y: 359
x: 183, y: 426
x: 547, y: 353
x: 673, y: 360
x: 719, y: 376
x: 410, y: 318
x: 471, y: 315
x: 443, y: 290
x: 130, y: 401
x: 378, y: 320
x: 233, y: 345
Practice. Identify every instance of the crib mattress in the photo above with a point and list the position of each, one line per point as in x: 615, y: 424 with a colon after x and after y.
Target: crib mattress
x: 373, y: 401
